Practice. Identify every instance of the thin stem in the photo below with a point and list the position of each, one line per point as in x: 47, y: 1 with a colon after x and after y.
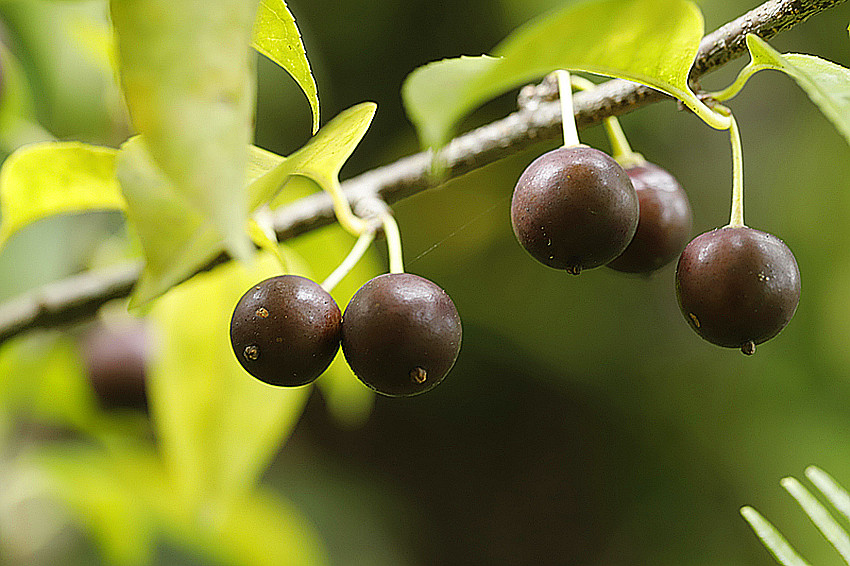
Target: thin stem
x: 742, y: 78
x: 342, y: 210
x: 713, y: 117
x: 736, y: 218
x: 568, y: 118
x: 360, y: 246
x: 620, y: 147
x: 393, y: 243
x: 261, y: 230
x: 621, y: 150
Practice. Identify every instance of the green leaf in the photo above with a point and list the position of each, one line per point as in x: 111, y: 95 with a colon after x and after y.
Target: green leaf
x: 260, y: 162
x: 110, y: 494
x: 16, y: 95
x: 49, y: 178
x: 347, y: 400
x: 826, y: 83
x: 42, y: 375
x: 175, y: 238
x: 188, y: 78
x: 124, y: 497
x: 18, y: 125
x: 264, y: 530
x: 277, y: 37
x: 321, y: 158
x: 75, y: 96
x: 217, y: 425
x: 653, y: 42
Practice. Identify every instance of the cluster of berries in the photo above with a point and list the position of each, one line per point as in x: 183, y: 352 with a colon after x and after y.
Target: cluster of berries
x: 400, y: 333
x: 576, y: 208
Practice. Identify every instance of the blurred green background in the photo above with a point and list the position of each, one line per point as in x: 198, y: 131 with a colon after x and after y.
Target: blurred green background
x: 584, y: 422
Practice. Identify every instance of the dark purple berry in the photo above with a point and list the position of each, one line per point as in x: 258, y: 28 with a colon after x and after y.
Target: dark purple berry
x: 116, y: 357
x: 665, y: 221
x: 574, y: 208
x: 737, y: 286
x: 286, y: 330
x: 401, y: 334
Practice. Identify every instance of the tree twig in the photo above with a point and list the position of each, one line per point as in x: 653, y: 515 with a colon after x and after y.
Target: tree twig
x: 80, y: 296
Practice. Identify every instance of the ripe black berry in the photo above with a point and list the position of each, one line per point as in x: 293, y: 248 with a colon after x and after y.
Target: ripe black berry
x: 574, y: 208
x: 116, y: 359
x: 737, y: 286
x: 401, y: 334
x: 665, y: 221
x: 285, y: 330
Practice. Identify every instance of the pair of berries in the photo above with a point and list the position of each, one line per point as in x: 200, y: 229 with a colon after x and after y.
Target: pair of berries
x: 400, y: 333
x: 575, y: 208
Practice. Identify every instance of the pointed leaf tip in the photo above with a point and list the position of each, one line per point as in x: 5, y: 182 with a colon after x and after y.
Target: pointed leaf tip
x: 277, y: 37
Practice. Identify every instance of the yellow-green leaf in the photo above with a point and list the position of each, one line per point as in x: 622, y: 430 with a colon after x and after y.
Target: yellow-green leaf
x: 18, y: 124
x: 321, y: 158
x: 124, y: 498
x: 175, y: 238
x: 42, y: 376
x: 188, y: 75
x: 826, y: 83
x: 277, y: 37
x: 49, y: 178
x: 217, y: 426
x: 110, y: 495
x: 265, y: 530
x: 653, y: 42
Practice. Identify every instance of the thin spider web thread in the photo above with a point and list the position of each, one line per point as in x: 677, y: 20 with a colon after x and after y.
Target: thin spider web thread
x: 458, y: 230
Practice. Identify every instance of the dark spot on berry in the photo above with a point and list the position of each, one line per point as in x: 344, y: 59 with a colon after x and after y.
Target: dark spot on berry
x: 252, y: 352
x: 396, y: 322
x: 418, y: 375
x: 293, y: 322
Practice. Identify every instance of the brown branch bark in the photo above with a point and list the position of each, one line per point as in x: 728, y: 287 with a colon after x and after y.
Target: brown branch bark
x: 79, y: 297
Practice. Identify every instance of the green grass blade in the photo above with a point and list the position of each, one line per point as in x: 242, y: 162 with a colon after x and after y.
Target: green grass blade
x: 772, y: 539
x: 830, y: 488
x: 825, y: 523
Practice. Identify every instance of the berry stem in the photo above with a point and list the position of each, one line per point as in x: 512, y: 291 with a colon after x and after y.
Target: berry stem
x: 342, y: 209
x: 393, y: 243
x: 714, y: 118
x: 261, y: 231
x: 568, y: 118
x: 621, y: 150
x: 360, y: 246
x: 737, y: 216
x: 742, y: 78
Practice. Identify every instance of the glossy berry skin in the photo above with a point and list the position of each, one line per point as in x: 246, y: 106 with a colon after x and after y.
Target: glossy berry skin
x: 286, y: 330
x: 665, y: 221
x: 737, y: 286
x: 401, y: 334
x: 574, y: 208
